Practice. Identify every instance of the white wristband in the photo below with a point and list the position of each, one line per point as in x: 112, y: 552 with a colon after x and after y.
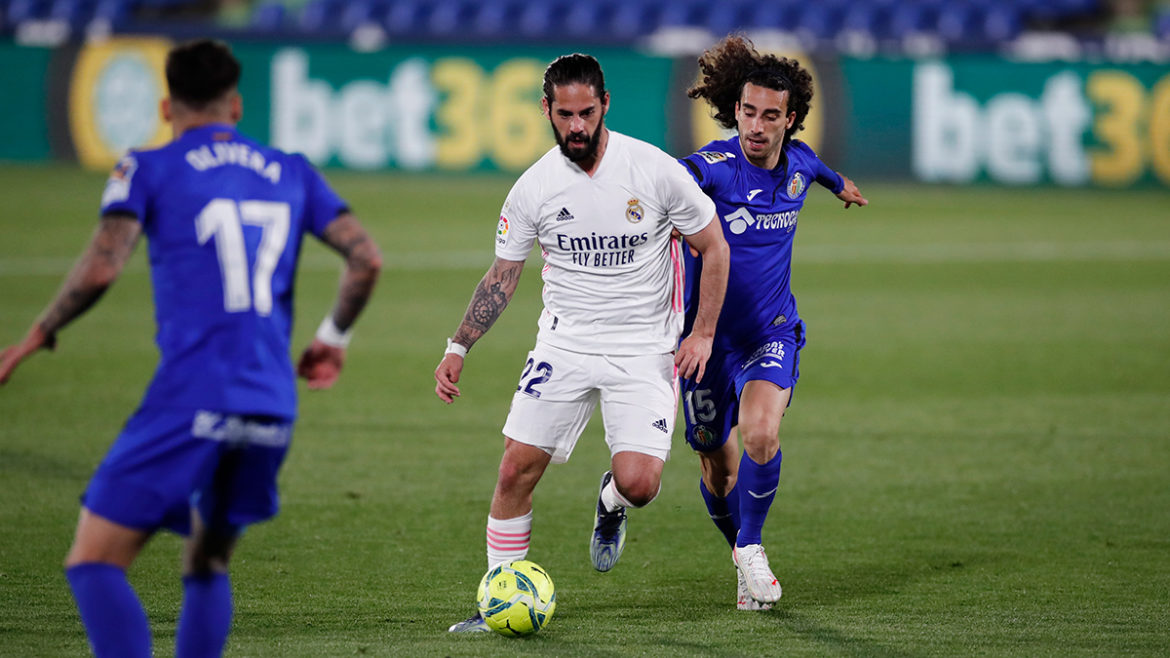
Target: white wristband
x: 455, y: 348
x: 329, y: 334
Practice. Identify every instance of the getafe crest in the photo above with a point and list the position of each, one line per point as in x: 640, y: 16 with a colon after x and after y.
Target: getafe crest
x: 796, y: 185
x: 703, y: 435
x: 634, y: 212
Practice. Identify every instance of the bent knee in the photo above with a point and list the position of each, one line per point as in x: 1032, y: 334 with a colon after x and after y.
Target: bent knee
x: 513, y: 474
x: 640, y: 492
x: 761, y: 436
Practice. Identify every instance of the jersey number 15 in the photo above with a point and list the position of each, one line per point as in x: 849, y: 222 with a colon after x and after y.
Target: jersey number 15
x: 223, y: 220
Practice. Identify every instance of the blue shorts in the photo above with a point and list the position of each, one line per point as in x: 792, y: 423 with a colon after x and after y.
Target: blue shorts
x: 166, y: 462
x: 711, y: 407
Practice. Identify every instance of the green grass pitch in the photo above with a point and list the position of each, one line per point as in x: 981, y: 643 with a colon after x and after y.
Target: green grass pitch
x: 976, y: 462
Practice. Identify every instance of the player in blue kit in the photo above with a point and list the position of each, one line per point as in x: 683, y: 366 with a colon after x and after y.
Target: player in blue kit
x: 224, y: 219
x: 759, y: 180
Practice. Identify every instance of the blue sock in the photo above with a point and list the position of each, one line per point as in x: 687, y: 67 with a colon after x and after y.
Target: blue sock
x: 724, y: 511
x: 110, y: 610
x: 206, y: 616
x: 757, y: 484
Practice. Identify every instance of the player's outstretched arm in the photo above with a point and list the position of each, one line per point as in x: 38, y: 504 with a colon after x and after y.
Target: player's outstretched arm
x: 850, y: 194
x: 98, y: 267
x: 695, y: 349
x: 321, y: 362
x: 488, y: 301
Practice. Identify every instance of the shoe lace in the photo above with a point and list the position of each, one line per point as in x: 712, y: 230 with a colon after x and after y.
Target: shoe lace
x: 609, y: 523
x: 757, y: 564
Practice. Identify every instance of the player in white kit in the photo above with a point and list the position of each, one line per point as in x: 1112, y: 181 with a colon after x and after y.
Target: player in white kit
x: 602, y: 206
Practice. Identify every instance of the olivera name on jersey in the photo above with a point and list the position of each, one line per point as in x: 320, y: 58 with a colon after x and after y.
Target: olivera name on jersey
x: 596, y: 250
x: 233, y: 153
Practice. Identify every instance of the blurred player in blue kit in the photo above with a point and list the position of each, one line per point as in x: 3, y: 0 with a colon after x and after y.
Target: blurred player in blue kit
x: 759, y: 180
x: 224, y: 218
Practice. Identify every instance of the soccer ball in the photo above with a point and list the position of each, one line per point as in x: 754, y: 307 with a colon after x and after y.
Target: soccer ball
x: 517, y: 598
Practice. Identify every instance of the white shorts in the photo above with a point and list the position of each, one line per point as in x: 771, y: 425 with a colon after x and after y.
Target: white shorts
x: 559, y: 390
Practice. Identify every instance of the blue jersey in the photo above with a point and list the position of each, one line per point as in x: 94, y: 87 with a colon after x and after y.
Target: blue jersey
x: 758, y: 209
x: 224, y: 219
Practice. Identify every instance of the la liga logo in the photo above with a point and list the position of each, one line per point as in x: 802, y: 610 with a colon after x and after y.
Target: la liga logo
x: 502, y: 230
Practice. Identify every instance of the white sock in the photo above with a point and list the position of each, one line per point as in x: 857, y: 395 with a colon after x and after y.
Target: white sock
x: 507, y: 539
x: 612, y: 499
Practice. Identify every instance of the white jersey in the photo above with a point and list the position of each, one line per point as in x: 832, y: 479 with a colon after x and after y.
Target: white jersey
x: 612, y: 275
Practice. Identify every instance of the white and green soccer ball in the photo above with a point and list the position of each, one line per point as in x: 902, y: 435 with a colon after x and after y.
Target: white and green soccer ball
x: 517, y: 598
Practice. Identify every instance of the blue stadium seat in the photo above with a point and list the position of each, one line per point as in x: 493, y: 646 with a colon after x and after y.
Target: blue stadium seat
x: 1079, y: 7
x: 269, y: 17
x: 864, y: 17
x: 684, y: 13
x: 1162, y: 25
x: 166, y: 4
x: 77, y: 13
x: 1054, y: 11
x: 115, y: 12
x: 909, y: 19
x: 405, y: 18
x: 773, y: 16
x: 819, y: 21
x: 633, y: 19
x: 959, y: 22
x: 494, y: 19
x: 1002, y: 23
x: 726, y: 17
x: 20, y: 11
x: 357, y: 13
x: 588, y: 19
x: 319, y: 16
x: 540, y: 20
x: 450, y: 18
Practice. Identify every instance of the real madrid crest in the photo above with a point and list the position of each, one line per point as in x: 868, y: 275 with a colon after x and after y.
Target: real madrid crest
x: 634, y: 211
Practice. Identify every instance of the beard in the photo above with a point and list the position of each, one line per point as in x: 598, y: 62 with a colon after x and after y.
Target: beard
x: 579, y: 146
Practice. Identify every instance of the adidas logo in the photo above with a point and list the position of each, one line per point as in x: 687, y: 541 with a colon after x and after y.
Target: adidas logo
x: 660, y: 424
x: 564, y: 215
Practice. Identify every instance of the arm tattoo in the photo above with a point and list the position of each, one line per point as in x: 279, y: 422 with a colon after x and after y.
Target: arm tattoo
x: 363, y: 263
x: 97, y: 268
x: 489, y: 300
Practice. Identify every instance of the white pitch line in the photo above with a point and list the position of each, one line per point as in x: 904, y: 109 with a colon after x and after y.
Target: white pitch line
x: 994, y: 252
x: 409, y: 262
x: 911, y: 254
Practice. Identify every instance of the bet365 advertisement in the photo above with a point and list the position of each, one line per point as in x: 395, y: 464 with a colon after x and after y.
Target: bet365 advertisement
x: 968, y: 119
x: 949, y: 120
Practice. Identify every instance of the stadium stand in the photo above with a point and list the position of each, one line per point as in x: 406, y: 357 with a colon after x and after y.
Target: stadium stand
x: 956, y: 24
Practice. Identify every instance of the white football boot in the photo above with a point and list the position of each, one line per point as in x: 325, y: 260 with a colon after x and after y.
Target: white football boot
x: 743, y: 600
x: 757, y: 575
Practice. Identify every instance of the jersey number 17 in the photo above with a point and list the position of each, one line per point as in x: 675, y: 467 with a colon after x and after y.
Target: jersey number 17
x: 223, y: 219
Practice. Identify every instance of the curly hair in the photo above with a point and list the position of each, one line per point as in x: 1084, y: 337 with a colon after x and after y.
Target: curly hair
x: 729, y: 64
